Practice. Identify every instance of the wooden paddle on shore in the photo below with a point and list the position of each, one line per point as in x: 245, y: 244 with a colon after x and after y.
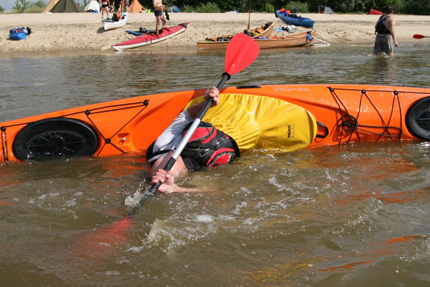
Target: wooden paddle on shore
x: 241, y: 52
x: 418, y: 36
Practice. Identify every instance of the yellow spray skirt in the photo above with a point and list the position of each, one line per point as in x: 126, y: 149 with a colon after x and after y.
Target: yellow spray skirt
x: 262, y: 122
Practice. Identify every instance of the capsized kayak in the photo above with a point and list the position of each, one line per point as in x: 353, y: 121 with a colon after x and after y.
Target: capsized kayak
x: 152, y: 38
x: 282, y: 117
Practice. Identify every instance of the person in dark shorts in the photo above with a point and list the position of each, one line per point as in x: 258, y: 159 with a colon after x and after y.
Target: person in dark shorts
x: 105, y: 5
x: 119, y: 5
x: 385, y: 33
x: 158, y: 12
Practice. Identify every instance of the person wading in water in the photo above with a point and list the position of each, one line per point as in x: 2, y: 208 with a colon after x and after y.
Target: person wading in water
x: 385, y: 33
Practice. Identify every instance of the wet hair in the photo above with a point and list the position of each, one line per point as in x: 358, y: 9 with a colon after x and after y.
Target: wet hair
x: 389, y: 9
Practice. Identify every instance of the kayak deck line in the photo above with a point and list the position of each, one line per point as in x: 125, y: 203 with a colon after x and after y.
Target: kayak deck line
x: 106, y: 140
x: 343, y: 114
x: 349, y: 123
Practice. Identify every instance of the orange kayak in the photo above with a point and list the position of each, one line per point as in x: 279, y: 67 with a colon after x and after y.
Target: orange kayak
x: 272, y: 116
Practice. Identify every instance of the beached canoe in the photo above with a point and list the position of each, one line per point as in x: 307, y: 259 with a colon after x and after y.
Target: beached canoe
x: 288, y: 41
x: 111, y: 24
x: 151, y: 37
x: 258, y: 32
x: 263, y: 31
x: 294, y: 19
x: 283, y: 117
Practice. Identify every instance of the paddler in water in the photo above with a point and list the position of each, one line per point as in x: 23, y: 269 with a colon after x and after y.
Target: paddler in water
x: 385, y: 34
x: 207, y: 147
x: 158, y: 12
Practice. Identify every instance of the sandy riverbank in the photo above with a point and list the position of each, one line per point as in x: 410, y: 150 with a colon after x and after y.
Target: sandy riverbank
x: 84, y: 31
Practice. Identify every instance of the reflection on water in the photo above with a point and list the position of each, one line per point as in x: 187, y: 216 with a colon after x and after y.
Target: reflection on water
x: 385, y: 67
x: 331, y: 216
x: 37, y: 85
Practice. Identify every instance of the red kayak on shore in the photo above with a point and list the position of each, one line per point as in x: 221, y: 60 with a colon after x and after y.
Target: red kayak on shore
x: 375, y: 12
x: 152, y: 37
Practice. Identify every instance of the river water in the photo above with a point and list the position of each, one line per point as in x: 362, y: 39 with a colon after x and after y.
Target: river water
x: 351, y: 215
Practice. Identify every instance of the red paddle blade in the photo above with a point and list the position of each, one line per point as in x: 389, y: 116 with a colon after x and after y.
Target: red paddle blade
x: 100, y: 243
x: 241, y: 52
x: 418, y: 36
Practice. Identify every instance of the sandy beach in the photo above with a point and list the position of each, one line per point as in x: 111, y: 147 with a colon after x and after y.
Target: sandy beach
x: 79, y: 32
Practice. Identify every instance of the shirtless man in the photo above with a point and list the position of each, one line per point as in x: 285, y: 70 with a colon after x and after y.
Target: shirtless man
x: 385, y: 33
x: 158, y: 12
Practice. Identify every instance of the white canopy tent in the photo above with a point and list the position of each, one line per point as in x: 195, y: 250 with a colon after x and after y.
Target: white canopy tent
x: 328, y: 10
x: 93, y: 6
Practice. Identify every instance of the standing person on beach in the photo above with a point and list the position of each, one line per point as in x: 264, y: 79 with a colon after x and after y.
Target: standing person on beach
x: 118, y: 6
x: 105, y: 5
x: 385, y: 34
x: 158, y: 12
x: 207, y: 147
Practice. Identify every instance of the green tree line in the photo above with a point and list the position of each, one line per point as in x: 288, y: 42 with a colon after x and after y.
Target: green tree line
x: 417, y: 7
x: 25, y: 6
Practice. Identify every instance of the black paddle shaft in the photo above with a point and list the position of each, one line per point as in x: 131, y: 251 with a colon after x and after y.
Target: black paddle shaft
x: 155, y: 186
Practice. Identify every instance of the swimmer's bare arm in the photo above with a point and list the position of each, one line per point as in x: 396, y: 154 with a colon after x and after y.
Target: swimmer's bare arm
x: 168, y: 185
